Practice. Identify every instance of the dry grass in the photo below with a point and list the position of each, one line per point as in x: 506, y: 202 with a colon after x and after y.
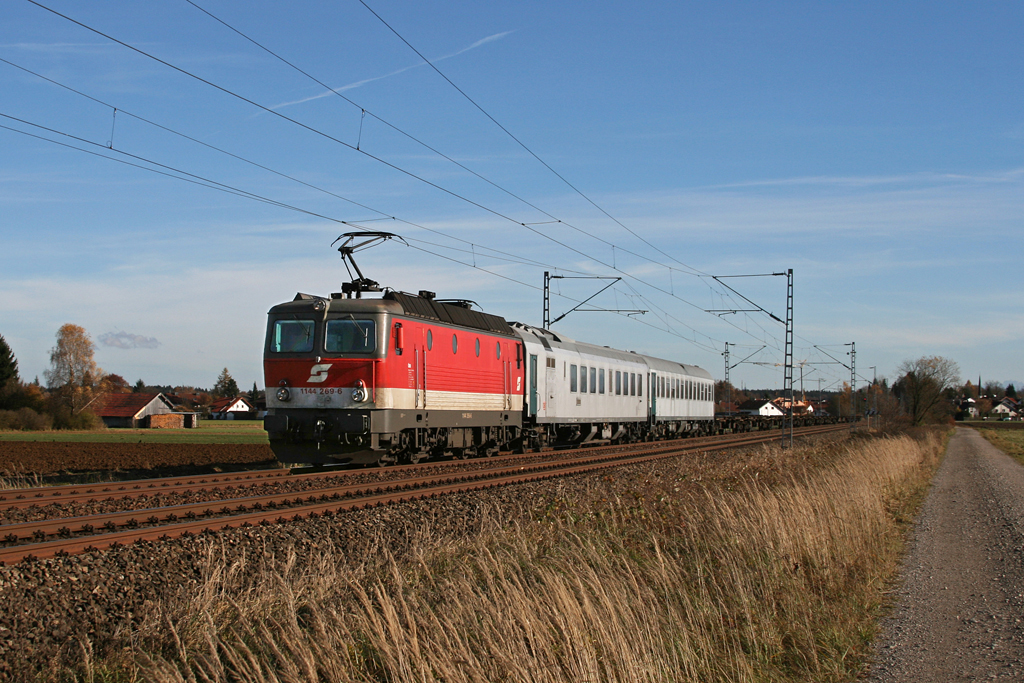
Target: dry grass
x: 751, y: 576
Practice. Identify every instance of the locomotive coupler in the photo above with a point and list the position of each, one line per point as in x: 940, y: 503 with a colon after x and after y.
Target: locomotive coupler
x: 320, y: 430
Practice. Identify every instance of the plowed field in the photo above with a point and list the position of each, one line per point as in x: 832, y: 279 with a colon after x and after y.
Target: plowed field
x: 44, y: 458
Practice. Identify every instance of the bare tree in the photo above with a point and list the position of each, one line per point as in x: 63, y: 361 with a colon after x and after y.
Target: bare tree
x: 921, y: 385
x: 73, y: 371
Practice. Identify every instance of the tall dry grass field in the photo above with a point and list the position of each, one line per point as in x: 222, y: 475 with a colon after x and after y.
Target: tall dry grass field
x: 772, y: 572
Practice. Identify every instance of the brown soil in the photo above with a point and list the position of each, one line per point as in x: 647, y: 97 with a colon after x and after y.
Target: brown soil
x: 48, y: 458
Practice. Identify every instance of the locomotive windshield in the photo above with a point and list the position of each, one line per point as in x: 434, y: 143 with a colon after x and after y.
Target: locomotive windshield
x: 350, y: 336
x: 292, y: 336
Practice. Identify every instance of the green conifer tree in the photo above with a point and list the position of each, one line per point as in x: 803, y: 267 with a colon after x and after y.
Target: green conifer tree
x: 8, y: 363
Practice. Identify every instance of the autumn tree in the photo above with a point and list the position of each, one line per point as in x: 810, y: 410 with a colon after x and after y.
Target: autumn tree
x: 115, y: 384
x: 73, y: 372
x: 226, y: 387
x: 921, y: 385
x: 969, y: 390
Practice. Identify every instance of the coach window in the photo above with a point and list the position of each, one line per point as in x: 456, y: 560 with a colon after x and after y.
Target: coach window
x: 478, y: 347
x: 640, y: 385
x: 583, y: 379
x: 497, y: 350
x: 572, y: 378
x: 593, y: 380
x: 292, y: 336
x: 455, y: 343
x: 618, y: 382
x: 632, y: 384
x: 600, y: 381
x: 430, y: 340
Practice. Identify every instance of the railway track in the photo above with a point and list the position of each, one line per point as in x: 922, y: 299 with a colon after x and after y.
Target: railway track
x: 69, y: 535
x: 12, y: 499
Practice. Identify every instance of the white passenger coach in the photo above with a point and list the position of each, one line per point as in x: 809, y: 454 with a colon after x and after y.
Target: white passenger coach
x: 578, y: 392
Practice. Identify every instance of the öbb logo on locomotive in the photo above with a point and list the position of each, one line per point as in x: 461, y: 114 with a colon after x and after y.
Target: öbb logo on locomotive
x: 318, y: 373
x: 498, y: 386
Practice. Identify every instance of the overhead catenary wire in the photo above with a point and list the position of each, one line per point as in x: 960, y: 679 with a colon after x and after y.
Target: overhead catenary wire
x: 364, y: 112
x: 380, y: 160
x: 613, y: 266
x: 521, y: 143
x: 179, y: 174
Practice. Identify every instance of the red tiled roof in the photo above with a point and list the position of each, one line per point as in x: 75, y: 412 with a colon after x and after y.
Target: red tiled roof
x: 121, y: 405
x: 224, y: 403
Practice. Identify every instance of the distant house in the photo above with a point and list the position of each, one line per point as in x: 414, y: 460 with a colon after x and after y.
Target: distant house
x: 799, y: 407
x: 761, y: 407
x: 232, y: 409
x: 130, y: 410
x: 1006, y: 408
x: 968, y: 408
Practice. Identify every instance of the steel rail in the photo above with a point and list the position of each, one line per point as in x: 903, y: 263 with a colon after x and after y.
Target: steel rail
x: 44, y: 495
x: 314, y: 506
x: 11, y: 499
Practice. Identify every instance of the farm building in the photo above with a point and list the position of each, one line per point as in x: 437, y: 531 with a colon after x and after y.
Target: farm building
x: 130, y: 410
x: 761, y: 407
x: 232, y: 409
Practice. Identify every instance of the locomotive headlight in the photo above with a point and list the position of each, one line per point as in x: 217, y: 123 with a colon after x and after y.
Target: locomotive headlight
x: 359, y: 393
x: 284, y: 395
x: 320, y: 305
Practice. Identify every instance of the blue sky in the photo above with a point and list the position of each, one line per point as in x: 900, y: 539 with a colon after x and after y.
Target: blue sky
x: 875, y: 148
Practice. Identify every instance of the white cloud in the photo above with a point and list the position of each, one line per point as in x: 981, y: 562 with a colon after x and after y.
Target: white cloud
x: 127, y: 340
x: 357, y: 84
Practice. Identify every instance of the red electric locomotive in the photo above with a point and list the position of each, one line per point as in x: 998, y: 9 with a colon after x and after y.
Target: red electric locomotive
x: 394, y: 379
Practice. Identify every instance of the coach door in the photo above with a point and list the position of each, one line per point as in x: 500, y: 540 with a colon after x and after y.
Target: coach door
x: 533, y: 384
x: 652, y: 393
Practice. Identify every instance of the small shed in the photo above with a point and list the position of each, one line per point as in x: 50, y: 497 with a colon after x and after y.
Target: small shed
x: 130, y: 410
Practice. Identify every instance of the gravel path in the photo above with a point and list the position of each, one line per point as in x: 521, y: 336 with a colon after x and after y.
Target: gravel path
x: 959, y: 612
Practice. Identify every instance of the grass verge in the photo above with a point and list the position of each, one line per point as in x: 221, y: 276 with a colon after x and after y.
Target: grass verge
x: 1009, y: 441
x: 772, y: 572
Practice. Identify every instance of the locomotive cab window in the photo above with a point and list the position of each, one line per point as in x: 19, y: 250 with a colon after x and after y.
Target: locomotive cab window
x: 292, y: 336
x: 350, y: 336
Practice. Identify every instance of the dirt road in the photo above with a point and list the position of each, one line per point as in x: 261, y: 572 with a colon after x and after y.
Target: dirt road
x: 959, y: 614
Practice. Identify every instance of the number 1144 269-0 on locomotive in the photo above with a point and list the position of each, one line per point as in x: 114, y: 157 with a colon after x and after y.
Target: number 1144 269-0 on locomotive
x: 405, y: 377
